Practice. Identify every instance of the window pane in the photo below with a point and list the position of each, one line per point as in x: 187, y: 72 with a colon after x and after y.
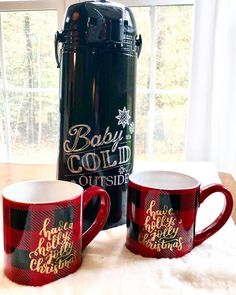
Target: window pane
x: 169, y: 127
x: 142, y: 18
x: 28, y: 48
x: 173, y: 46
x: 33, y: 126
x: 2, y: 138
x: 164, y: 60
x: 141, y: 126
x: 31, y: 83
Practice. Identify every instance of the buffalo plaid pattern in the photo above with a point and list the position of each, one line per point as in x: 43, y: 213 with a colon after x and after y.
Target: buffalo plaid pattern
x: 183, y: 204
x: 22, y: 226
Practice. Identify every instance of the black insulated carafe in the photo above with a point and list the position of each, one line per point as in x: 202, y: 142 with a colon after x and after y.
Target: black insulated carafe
x: 97, y: 59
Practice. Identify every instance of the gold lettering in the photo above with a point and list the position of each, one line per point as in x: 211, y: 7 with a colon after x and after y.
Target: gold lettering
x: 161, y: 229
x: 55, y: 248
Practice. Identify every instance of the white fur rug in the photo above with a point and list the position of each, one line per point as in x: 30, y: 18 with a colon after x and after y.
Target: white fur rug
x: 109, y: 268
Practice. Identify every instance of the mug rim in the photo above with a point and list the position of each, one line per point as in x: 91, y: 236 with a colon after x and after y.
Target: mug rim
x: 196, y: 183
x: 10, y: 192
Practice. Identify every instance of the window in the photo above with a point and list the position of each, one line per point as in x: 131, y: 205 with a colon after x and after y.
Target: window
x: 162, y: 80
x: 29, y: 78
x: 28, y: 81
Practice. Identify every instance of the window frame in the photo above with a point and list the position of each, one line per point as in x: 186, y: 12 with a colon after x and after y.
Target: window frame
x: 29, y: 5
x: 143, y: 2
x: 155, y: 2
x: 19, y: 5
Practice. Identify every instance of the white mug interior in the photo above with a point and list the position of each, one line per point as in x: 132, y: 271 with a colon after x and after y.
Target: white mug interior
x: 165, y: 180
x: 42, y: 191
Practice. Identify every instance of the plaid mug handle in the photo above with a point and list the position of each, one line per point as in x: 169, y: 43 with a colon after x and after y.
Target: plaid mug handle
x: 102, y: 215
x: 223, y: 216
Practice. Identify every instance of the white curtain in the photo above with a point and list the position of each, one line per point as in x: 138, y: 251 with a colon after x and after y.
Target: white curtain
x: 211, y: 125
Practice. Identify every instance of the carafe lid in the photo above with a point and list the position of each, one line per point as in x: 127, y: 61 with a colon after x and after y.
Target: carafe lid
x: 99, y: 22
x: 102, y: 24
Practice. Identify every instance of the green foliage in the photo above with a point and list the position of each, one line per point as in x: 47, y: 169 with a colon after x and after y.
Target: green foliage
x: 173, y: 46
x: 42, y: 25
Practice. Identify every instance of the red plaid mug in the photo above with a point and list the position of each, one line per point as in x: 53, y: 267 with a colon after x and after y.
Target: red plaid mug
x: 43, y: 237
x: 161, y: 213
